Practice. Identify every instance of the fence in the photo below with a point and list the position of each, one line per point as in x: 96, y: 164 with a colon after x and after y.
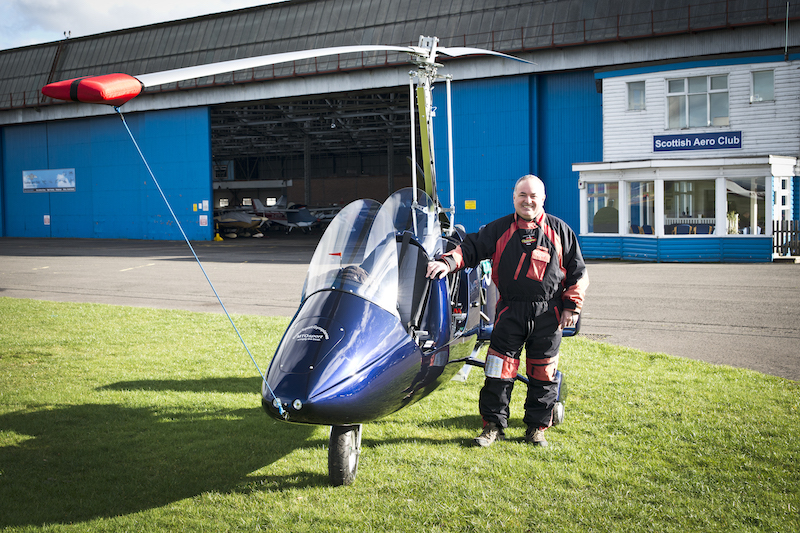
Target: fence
x: 786, y: 237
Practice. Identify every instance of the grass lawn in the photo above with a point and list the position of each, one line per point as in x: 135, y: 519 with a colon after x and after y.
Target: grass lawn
x: 129, y: 419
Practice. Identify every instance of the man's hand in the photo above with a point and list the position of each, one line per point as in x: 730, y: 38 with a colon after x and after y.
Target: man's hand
x: 437, y: 269
x: 569, y: 318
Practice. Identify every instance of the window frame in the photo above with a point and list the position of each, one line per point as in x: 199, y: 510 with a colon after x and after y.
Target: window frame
x: 629, y: 104
x: 753, y: 87
x: 685, y: 98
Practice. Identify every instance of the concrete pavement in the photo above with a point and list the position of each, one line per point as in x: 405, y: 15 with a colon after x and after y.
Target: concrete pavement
x: 745, y: 315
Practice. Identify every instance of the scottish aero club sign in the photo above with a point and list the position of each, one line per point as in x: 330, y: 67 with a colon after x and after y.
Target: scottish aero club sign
x: 697, y: 141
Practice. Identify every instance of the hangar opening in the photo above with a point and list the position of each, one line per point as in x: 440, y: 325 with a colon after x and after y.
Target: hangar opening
x: 316, y: 150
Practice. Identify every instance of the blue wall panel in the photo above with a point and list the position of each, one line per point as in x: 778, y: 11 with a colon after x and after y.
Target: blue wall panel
x: 601, y: 247
x: 752, y: 249
x: 690, y: 249
x: 570, y: 130
x: 115, y: 196
x: 24, y: 148
x: 491, y: 139
x: 640, y: 248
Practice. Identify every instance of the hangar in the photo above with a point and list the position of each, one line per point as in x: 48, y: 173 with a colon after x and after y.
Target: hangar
x: 331, y: 130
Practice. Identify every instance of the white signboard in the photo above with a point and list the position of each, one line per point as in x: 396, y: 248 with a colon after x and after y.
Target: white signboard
x: 50, y: 180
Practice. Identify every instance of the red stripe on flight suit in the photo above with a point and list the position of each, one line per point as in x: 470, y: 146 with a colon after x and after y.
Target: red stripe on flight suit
x: 497, y: 318
x: 577, y: 292
x: 498, y: 252
x: 553, y: 237
x: 542, y: 369
x: 519, y: 266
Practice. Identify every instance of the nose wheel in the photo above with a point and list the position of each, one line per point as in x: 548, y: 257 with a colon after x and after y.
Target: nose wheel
x: 344, y: 448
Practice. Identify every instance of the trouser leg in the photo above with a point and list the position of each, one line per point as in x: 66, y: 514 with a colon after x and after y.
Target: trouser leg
x: 541, y: 365
x: 502, y: 361
x: 494, y: 401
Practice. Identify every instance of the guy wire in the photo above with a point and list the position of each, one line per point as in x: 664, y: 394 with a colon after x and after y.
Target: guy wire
x: 185, y: 238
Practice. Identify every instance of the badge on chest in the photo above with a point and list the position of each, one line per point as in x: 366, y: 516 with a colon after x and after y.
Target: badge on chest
x: 529, y: 239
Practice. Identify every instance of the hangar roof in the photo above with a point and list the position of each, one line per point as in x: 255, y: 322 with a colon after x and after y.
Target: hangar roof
x: 502, y: 25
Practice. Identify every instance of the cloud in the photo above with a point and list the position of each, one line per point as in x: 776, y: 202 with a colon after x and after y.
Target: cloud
x: 26, y: 22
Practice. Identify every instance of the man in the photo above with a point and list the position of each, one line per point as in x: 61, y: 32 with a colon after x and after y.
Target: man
x: 539, y: 271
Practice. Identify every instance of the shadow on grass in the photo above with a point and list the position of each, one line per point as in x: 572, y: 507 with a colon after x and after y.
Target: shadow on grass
x: 447, y: 425
x: 72, y: 464
x: 225, y: 385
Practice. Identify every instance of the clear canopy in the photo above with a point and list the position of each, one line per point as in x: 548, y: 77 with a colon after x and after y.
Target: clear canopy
x: 358, y: 252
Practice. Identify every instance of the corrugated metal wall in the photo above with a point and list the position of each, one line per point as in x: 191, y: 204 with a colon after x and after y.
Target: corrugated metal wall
x: 491, y: 137
x: 505, y: 128
x: 569, y: 130
x: 503, y: 25
x: 115, y: 196
x: 2, y: 186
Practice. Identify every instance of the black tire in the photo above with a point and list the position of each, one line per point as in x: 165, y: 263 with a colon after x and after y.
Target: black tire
x: 343, y: 451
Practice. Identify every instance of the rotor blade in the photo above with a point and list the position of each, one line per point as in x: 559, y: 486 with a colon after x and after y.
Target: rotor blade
x: 201, y: 71
x: 116, y: 89
x: 460, y: 51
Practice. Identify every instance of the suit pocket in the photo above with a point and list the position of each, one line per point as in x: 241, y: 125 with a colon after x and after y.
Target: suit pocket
x: 540, y: 258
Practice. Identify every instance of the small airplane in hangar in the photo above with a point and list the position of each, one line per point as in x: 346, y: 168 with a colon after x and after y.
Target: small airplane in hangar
x: 289, y: 217
x: 372, y: 334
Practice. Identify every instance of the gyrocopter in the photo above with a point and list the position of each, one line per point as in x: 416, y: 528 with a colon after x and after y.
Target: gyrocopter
x: 372, y: 334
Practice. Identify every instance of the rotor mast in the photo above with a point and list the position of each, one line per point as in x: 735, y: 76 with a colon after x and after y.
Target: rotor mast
x: 424, y: 56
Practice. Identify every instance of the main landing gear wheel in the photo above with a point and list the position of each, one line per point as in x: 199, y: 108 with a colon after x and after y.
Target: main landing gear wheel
x: 343, y: 450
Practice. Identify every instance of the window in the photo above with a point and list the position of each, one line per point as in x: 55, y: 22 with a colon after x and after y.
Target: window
x: 641, y: 207
x: 603, y: 199
x: 697, y: 102
x: 689, y: 207
x: 746, y: 211
x: 636, y: 96
x: 763, y: 86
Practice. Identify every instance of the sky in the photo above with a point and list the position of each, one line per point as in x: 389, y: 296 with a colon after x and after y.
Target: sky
x: 26, y: 22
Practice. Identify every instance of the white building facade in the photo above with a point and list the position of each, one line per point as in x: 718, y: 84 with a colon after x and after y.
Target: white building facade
x: 699, y: 159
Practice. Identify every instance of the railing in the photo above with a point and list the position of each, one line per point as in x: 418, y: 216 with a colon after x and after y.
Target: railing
x: 786, y: 237
x: 690, y: 220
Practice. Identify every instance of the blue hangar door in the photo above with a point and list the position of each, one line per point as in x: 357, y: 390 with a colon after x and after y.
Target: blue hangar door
x: 112, y: 194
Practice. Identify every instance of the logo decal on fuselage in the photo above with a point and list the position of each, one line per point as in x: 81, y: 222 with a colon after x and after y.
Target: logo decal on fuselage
x: 312, y: 334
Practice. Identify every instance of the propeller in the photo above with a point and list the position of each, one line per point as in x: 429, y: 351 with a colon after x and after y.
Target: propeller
x: 117, y: 89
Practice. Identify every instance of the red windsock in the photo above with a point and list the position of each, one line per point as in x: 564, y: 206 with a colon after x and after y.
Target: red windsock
x: 111, y: 89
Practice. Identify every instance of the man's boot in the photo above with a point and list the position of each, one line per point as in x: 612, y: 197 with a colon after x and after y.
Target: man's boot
x: 491, y: 432
x: 535, y: 436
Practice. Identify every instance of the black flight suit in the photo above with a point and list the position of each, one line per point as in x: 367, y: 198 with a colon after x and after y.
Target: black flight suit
x: 538, y: 269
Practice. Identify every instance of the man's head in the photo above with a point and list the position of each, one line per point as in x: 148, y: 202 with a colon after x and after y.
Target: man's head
x: 529, y: 197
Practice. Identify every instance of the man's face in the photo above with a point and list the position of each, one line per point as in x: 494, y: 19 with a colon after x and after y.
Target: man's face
x: 529, y: 199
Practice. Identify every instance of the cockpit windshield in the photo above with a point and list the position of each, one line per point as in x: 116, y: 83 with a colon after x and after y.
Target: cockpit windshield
x: 421, y: 219
x: 359, y: 253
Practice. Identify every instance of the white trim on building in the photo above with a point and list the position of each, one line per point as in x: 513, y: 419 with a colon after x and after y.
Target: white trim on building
x: 725, y: 172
